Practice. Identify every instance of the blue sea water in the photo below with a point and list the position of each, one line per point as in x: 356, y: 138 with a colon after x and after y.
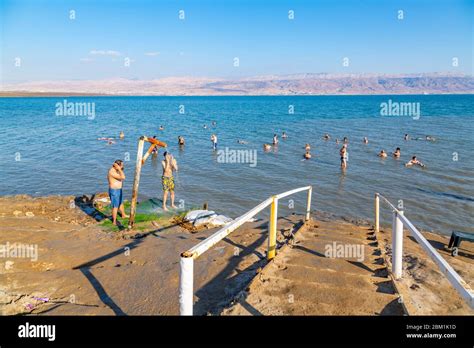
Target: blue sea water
x: 43, y: 153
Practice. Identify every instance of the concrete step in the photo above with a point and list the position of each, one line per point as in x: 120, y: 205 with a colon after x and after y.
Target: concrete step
x: 330, y: 277
x: 302, y: 257
x: 288, y: 297
x: 304, y: 280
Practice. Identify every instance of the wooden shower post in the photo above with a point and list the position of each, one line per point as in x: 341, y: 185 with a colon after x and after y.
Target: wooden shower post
x: 138, y: 169
x: 136, y: 181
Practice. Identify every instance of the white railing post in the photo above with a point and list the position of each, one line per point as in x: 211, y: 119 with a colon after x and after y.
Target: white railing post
x: 186, y: 292
x: 377, y: 213
x: 273, y: 229
x: 397, y: 245
x: 308, y: 204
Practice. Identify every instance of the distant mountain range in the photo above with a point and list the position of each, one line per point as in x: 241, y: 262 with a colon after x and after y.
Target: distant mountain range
x: 298, y: 84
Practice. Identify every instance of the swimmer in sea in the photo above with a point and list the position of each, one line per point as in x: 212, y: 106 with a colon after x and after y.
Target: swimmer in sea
x: 154, y: 152
x: 267, y: 147
x: 162, y: 128
x: 214, y: 123
x: 275, y: 139
x: 307, y: 155
x: 214, y: 141
x: 397, y: 153
x: 346, y: 141
x: 205, y: 126
x: 242, y: 142
x: 344, y: 156
x: 307, y: 147
x: 122, y: 135
x: 430, y: 138
x: 366, y: 141
x: 284, y: 135
x: 326, y: 137
x: 382, y: 154
x: 337, y: 141
x: 406, y: 137
x: 180, y: 140
x: 414, y: 161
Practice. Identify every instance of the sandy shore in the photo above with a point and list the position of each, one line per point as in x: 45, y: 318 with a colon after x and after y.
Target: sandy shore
x: 85, y: 268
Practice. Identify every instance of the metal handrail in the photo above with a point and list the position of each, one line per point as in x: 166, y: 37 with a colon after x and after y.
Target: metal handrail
x: 187, y: 258
x: 400, y: 220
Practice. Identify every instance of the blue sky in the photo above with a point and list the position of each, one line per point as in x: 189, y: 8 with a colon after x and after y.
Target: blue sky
x: 95, y: 44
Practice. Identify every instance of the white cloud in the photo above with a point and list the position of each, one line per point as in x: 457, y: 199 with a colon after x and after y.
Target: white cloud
x: 152, y: 54
x: 105, y: 53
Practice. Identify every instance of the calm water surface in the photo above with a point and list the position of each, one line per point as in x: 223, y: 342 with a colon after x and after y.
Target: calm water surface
x: 44, y: 154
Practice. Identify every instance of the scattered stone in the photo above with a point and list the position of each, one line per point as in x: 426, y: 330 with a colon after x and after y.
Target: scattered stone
x: 17, y: 213
x: 9, y: 264
x: 29, y: 214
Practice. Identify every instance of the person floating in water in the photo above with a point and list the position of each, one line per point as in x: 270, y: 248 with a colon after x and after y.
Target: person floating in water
x: 337, y: 141
x: 344, y: 156
x: 242, y: 142
x: 345, y: 140
x: 214, y: 123
x: 181, y: 141
x: 406, y: 137
x: 414, y: 161
x: 115, y: 178
x: 275, y: 139
x: 307, y: 147
x: 366, y: 141
x: 382, y: 154
x: 162, y: 128
x: 214, y: 141
x: 284, y: 135
x: 169, y: 165
x: 122, y: 135
x: 397, y: 153
x: 430, y: 138
x: 307, y: 155
x: 204, y: 126
x: 327, y: 137
x: 267, y: 147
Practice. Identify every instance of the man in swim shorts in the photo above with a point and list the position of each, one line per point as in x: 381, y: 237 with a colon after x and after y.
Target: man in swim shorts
x: 115, y: 178
x: 167, y: 180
